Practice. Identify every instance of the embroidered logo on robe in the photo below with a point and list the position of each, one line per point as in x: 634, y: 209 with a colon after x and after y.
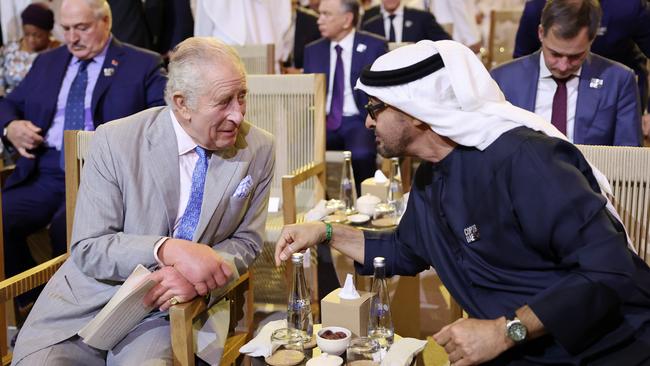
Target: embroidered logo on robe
x: 471, y: 234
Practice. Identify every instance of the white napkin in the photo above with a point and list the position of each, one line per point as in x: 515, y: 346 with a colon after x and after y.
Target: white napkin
x: 349, y: 292
x: 380, y: 177
x: 318, y: 212
x: 401, y: 353
x: 261, y: 344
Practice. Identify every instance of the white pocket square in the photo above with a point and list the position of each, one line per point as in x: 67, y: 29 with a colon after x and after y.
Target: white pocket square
x: 244, y: 187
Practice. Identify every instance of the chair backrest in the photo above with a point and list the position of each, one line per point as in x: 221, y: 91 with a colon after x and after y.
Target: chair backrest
x: 76, y: 145
x: 395, y: 45
x: 501, y: 41
x: 627, y: 169
x: 292, y: 108
x: 257, y: 58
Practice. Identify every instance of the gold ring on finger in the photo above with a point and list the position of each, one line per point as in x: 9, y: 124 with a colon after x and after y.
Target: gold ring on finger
x: 174, y: 300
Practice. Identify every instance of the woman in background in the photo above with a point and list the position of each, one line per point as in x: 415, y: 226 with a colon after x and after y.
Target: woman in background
x: 16, y: 57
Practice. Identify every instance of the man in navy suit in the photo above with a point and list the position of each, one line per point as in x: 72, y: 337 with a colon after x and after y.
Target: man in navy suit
x: 399, y: 23
x: 91, y: 80
x: 341, y: 55
x: 623, y: 36
x: 345, y: 130
x: 589, y: 98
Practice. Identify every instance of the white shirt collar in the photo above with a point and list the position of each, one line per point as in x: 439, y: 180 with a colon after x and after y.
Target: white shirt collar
x: 346, y: 43
x: 545, y: 73
x: 184, y: 141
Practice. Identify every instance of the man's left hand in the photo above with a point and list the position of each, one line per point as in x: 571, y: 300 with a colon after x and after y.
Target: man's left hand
x: 473, y: 341
x: 171, y: 284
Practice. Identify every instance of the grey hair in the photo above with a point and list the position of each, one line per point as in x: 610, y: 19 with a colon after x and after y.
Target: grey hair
x: 351, y: 6
x: 101, y: 9
x: 188, y: 62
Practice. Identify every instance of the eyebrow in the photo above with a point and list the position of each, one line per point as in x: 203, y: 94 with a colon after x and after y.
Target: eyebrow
x: 564, y: 54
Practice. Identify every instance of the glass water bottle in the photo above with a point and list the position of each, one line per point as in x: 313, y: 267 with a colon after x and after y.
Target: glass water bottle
x: 380, y: 323
x: 299, y: 307
x: 395, y: 190
x: 348, y: 194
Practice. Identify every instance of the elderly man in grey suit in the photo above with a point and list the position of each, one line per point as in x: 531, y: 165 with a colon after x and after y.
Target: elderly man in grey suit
x: 181, y: 189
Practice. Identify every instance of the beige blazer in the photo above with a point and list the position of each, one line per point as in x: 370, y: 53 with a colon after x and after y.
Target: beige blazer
x: 128, y: 200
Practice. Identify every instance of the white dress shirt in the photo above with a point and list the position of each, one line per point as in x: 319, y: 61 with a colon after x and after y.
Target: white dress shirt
x: 398, y: 22
x: 349, y: 106
x: 187, y: 159
x: 546, y: 87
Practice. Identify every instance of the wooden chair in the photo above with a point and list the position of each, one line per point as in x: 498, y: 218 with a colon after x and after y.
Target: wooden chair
x: 292, y: 108
x: 39, y: 275
x: 501, y: 41
x: 257, y: 58
x: 627, y: 169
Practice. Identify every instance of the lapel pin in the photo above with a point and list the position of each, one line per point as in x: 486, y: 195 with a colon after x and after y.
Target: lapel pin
x: 408, y: 24
x: 596, y: 83
x: 601, y: 31
x: 472, y: 234
x: 114, y: 62
x: 361, y: 47
x: 109, y: 71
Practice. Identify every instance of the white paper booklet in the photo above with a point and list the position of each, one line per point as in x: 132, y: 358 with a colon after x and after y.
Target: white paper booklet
x: 123, y: 312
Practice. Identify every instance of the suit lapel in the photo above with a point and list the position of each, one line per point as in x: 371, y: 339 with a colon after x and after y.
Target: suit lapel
x: 218, y: 181
x: 357, y: 59
x: 406, y: 31
x: 530, y: 82
x: 51, y: 95
x: 586, y: 104
x: 163, y: 164
x: 112, y: 61
x: 325, y: 52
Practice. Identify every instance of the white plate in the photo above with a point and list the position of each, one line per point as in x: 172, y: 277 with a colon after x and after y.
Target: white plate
x: 358, y: 218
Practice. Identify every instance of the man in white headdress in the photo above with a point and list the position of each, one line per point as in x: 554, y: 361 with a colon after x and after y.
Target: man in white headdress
x: 509, y: 213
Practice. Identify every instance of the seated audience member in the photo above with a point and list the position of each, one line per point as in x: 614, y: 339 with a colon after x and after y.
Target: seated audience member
x: 341, y: 55
x: 623, y: 36
x: 303, y: 30
x: 182, y: 190
x: 93, y: 79
x: 510, y: 214
x: 399, y: 23
x: 587, y: 97
x: 16, y: 57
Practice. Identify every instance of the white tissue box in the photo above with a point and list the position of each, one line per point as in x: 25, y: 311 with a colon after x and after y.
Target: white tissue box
x: 350, y: 314
x: 376, y: 189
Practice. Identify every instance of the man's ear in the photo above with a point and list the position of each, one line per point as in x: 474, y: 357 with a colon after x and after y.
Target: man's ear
x: 540, y: 33
x: 180, y: 105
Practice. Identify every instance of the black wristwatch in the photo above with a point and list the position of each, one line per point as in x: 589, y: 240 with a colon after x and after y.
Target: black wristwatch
x: 516, y: 330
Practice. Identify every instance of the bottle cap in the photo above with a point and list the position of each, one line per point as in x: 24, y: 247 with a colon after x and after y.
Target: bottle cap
x: 379, y: 262
x: 347, y: 154
x: 296, y: 257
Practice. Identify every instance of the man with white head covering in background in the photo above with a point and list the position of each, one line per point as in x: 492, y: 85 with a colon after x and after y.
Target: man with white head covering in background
x: 510, y: 214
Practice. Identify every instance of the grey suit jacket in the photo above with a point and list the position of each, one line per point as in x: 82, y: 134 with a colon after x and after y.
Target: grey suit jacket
x: 128, y: 200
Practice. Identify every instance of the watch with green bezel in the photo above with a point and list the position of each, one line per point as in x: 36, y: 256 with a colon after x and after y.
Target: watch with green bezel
x: 516, y: 330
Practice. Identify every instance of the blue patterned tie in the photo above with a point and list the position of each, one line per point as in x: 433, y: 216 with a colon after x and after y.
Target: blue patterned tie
x: 74, y: 106
x: 190, y: 218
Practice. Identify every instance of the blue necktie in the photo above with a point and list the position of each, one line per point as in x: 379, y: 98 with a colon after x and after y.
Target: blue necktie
x: 74, y: 118
x: 190, y: 218
x: 338, y: 89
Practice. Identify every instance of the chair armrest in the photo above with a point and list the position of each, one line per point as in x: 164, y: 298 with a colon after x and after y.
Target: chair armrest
x: 5, y: 172
x: 30, y: 279
x: 289, y: 183
x: 181, y: 317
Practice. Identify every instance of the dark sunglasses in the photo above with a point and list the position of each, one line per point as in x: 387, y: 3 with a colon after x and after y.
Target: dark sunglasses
x: 374, y: 109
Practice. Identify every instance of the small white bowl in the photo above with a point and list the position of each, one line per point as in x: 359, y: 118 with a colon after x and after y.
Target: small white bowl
x: 333, y: 346
x: 358, y: 219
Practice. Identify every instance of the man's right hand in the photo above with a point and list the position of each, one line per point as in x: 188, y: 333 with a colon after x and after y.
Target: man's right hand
x: 296, y: 238
x: 24, y: 135
x: 198, y: 263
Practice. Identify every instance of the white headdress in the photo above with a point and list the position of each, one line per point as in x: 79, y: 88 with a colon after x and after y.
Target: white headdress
x: 459, y: 101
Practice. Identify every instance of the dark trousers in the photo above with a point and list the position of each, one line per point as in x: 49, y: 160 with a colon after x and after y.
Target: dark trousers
x: 30, y: 206
x: 353, y: 136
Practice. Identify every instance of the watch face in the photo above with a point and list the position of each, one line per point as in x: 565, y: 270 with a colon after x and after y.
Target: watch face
x: 517, y: 331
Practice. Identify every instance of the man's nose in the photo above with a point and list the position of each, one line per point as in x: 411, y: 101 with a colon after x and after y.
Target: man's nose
x: 370, y: 123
